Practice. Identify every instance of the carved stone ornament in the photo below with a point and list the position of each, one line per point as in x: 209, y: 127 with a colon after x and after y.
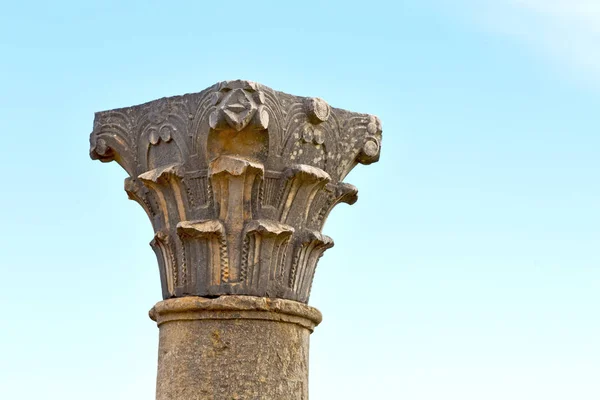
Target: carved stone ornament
x: 238, y: 181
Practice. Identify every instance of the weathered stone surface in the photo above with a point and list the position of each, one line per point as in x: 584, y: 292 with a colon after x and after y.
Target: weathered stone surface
x: 238, y: 181
x: 233, y: 347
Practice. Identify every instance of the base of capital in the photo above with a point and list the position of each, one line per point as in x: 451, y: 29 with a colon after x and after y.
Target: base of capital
x: 235, y: 308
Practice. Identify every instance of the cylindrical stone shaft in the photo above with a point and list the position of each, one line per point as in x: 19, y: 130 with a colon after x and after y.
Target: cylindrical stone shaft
x: 233, y: 347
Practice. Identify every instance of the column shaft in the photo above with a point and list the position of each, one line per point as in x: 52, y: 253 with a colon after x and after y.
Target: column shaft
x: 233, y: 347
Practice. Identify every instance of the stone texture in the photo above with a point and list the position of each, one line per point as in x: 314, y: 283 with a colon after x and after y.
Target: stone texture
x: 238, y: 181
x: 233, y: 347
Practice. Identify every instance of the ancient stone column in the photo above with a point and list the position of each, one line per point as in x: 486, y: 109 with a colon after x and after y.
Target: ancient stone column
x: 237, y: 181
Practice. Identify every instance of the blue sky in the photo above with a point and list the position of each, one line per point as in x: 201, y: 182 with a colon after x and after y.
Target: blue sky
x: 469, y: 268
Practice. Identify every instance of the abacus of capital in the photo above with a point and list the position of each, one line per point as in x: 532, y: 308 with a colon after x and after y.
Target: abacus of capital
x: 237, y: 181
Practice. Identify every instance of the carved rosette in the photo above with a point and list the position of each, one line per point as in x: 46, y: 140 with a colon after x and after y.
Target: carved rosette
x: 238, y: 181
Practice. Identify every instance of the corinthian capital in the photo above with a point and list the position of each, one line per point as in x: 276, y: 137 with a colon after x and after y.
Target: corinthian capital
x: 237, y: 181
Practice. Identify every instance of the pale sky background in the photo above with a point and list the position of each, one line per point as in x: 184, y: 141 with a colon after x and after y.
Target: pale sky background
x: 469, y: 269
